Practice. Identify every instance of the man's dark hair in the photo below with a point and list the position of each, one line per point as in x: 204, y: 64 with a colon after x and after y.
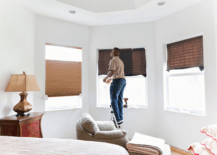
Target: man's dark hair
x: 116, y: 50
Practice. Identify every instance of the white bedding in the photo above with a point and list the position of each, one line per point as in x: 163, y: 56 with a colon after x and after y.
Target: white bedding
x: 146, y: 142
x: 43, y: 146
x: 167, y: 150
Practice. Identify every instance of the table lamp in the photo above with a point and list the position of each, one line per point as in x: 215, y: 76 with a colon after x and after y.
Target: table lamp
x: 22, y: 83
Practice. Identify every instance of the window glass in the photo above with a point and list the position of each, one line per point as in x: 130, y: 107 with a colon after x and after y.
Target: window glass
x: 135, y: 91
x: 63, y: 53
x: 63, y: 103
x: 187, y: 93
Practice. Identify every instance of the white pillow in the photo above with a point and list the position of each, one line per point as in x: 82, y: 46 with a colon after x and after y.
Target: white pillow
x: 198, y: 149
x: 210, y: 144
x: 210, y: 131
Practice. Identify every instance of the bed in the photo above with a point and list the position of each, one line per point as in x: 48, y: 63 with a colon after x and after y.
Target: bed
x: 45, y: 146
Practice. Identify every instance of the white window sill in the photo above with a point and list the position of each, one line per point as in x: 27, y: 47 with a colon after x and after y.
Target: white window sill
x: 132, y: 107
x: 61, y: 109
x: 185, y: 112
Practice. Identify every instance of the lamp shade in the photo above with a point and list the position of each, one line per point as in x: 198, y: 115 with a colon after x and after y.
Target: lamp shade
x: 22, y: 83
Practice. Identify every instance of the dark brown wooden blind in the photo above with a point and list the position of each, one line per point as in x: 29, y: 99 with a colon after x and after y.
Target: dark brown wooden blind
x: 63, y: 78
x: 127, y: 58
x: 139, y: 61
x: 134, y: 61
x: 103, y: 62
x: 185, y: 54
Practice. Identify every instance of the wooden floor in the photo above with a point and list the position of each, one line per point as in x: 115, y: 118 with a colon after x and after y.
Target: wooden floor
x: 176, y: 151
x: 173, y: 153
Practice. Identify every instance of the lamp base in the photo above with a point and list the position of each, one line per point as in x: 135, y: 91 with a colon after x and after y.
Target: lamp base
x: 23, y: 106
x: 22, y: 114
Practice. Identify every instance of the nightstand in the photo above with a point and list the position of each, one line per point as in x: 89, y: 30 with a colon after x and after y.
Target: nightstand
x: 23, y: 126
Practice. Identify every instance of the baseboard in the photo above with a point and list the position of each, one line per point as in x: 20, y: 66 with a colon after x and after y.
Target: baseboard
x: 180, y: 151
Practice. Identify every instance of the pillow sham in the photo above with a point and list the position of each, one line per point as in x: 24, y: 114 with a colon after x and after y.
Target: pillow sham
x: 210, y: 144
x: 198, y: 149
x: 210, y: 131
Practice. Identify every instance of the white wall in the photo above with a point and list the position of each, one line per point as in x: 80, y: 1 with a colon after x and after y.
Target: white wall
x: 17, y: 29
x: 59, y: 124
x: 181, y: 129
x: 125, y: 36
x: 215, y: 20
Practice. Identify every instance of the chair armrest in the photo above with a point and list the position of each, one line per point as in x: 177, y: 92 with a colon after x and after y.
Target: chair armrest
x: 105, y: 125
x: 110, y: 134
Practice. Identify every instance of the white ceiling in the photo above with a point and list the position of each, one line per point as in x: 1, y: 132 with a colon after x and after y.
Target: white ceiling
x: 100, y: 6
x: 106, y: 12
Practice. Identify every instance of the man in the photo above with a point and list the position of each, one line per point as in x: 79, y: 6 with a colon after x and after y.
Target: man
x: 116, y: 72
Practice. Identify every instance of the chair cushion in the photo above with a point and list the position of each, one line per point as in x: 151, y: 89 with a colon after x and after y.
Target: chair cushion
x: 88, y: 123
x: 105, y: 125
x: 110, y: 134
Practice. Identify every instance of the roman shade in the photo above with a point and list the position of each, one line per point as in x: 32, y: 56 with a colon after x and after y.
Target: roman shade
x: 127, y: 58
x: 103, y: 62
x: 63, y: 78
x: 139, y: 61
x: 185, y: 54
x: 134, y: 61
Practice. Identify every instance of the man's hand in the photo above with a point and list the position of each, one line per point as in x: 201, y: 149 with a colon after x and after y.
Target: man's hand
x: 109, y: 81
x: 109, y: 75
x: 105, y: 79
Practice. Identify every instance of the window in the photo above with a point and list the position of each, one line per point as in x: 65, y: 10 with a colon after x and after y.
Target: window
x: 63, y: 77
x: 135, y: 72
x: 185, y: 76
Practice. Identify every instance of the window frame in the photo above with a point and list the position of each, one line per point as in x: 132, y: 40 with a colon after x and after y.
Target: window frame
x: 80, y: 103
x: 166, y: 82
x: 98, y: 105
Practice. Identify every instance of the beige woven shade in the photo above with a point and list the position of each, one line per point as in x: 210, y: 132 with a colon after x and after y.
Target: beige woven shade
x: 63, y: 78
x: 185, y: 54
x: 22, y: 83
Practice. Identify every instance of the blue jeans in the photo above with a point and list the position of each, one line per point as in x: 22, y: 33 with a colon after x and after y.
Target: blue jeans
x: 116, y: 95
